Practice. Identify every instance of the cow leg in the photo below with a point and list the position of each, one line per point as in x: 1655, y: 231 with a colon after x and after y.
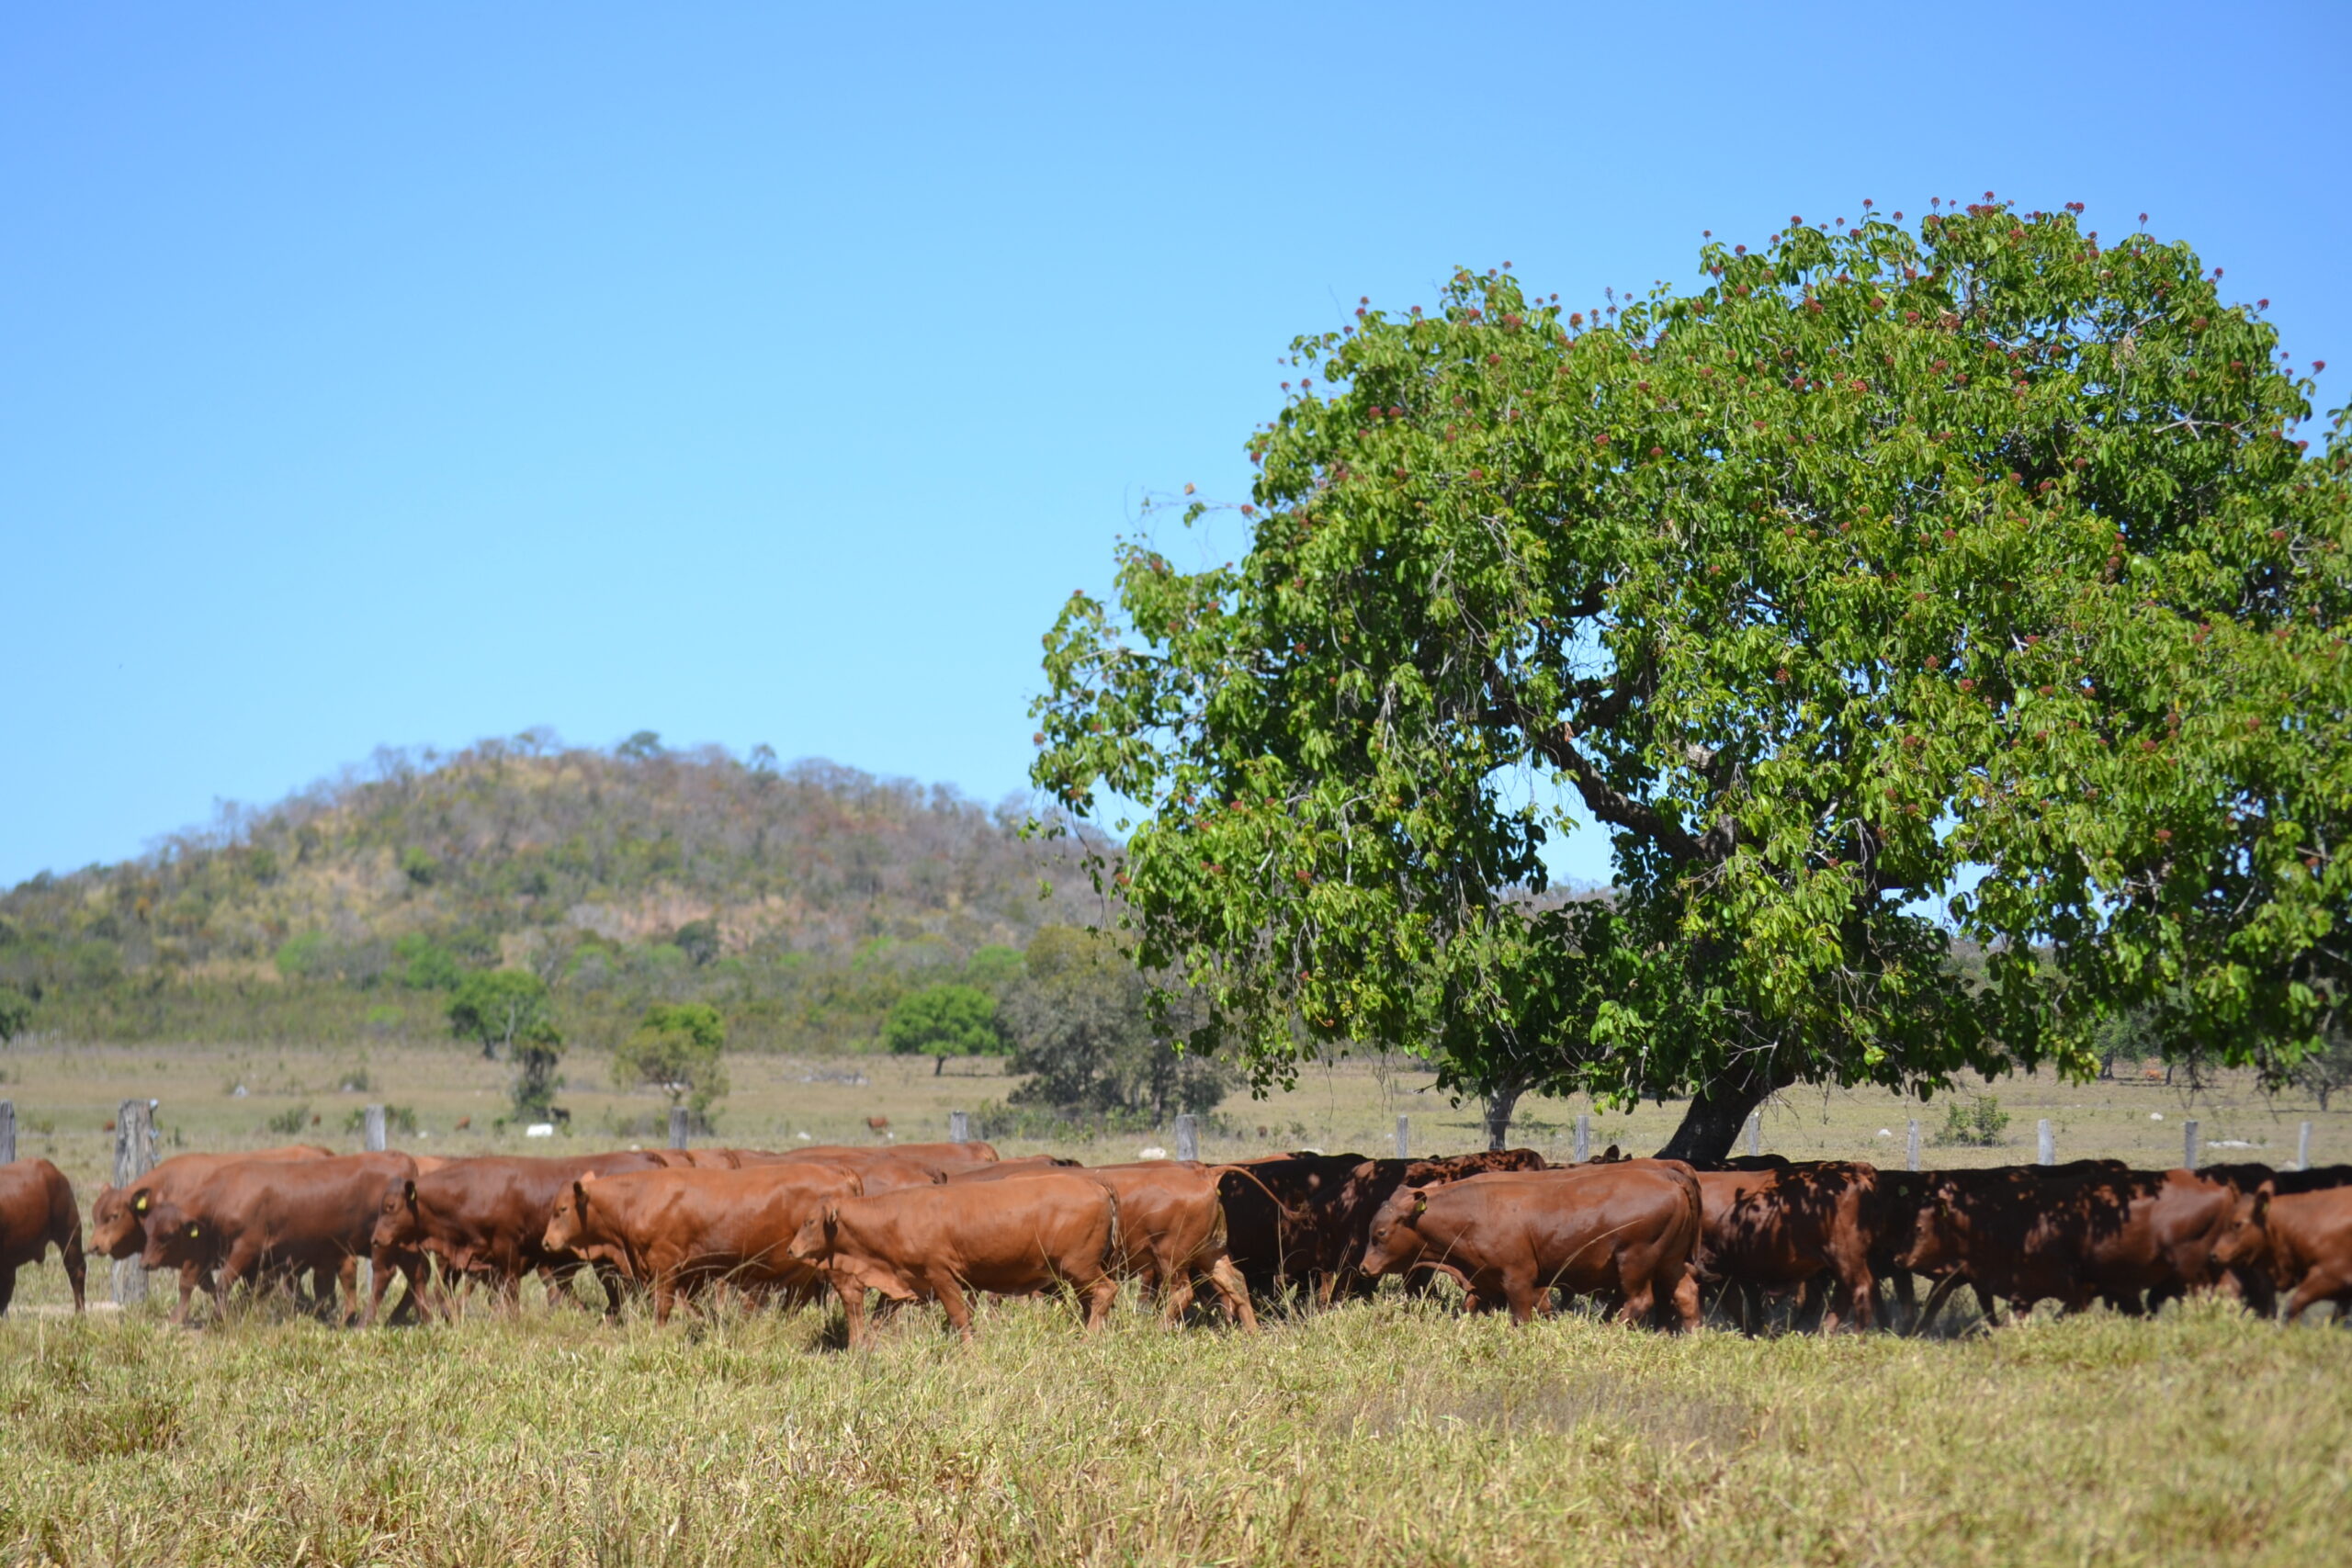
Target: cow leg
x: 959, y: 1309
x: 1102, y: 1294
x: 1519, y: 1288
x: 1641, y: 1296
x: 2316, y: 1287
x: 609, y: 1275
x: 70, y: 1255
x: 665, y: 1292
x: 852, y: 1299
x: 1686, y: 1302
x: 1226, y: 1280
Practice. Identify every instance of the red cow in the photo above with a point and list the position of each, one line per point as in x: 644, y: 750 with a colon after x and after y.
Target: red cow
x: 256, y: 1215
x: 1625, y: 1230
x: 2301, y: 1241
x: 1780, y: 1227
x: 1015, y: 1237
x: 38, y: 1211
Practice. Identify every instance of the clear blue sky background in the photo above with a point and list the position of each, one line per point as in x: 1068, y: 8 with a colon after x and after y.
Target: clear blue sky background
x: 770, y: 373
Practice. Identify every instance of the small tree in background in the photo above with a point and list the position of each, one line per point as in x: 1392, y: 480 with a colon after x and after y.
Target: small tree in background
x: 1081, y: 1019
x: 15, y: 1013
x: 676, y: 1049
x: 509, y: 1009
x: 2327, y: 1070
x: 940, y: 1021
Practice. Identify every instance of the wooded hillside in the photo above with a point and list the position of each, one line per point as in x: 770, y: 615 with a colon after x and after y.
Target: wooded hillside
x: 805, y: 899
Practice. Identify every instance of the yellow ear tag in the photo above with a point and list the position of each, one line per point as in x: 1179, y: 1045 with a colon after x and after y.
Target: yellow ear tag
x: 139, y: 1204
x: 195, y: 1230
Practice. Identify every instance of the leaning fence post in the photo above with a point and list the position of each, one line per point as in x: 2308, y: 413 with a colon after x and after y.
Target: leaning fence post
x: 2303, y: 1147
x: 9, y: 1131
x: 1403, y: 1137
x: 1755, y: 1132
x: 2188, y: 1143
x: 677, y: 1126
x: 1188, y: 1137
x: 2045, y: 1142
x: 959, y: 1127
x: 1911, y: 1149
x: 134, y: 1156
x: 372, y: 1118
x: 1584, y: 1138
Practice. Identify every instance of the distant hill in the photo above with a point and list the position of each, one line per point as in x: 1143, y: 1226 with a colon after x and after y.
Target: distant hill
x: 803, y: 900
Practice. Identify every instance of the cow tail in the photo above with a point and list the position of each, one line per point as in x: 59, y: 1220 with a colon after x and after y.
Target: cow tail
x: 1114, y: 1248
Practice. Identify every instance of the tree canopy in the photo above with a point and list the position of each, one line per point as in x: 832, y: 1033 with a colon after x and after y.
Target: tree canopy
x: 676, y: 1048
x: 945, y: 1020
x: 1082, y: 1024
x: 510, y: 1009
x: 1900, y: 584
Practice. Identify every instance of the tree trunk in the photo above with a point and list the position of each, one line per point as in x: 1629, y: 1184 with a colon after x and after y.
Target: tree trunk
x: 1711, y: 1124
x: 938, y: 1065
x: 1500, y: 1103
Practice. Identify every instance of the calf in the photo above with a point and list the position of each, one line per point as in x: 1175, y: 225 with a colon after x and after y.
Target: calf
x: 1019, y: 1236
x: 38, y: 1211
x: 252, y: 1216
x: 1626, y: 1230
x: 485, y: 1219
x: 2300, y: 1241
x: 675, y: 1231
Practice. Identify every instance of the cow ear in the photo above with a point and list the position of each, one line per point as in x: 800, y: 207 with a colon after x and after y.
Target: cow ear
x: 139, y: 1204
x: 832, y: 1217
x: 585, y: 1178
x: 580, y: 1194
x: 1420, y: 1204
x: 408, y: 1192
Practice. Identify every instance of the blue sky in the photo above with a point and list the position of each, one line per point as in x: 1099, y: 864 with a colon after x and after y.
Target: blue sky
x: 768, y: 374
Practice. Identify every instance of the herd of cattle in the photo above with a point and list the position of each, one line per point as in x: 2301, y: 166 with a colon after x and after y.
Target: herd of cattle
x: 1646, y: 1239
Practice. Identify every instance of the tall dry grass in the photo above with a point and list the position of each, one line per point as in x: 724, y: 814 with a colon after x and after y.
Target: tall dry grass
x: 1379, y: 1434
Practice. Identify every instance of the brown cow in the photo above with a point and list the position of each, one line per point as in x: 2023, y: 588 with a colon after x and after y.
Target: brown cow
x: 1171, y: 1228
x: 118, y: 1214
x: 1626, y: 1229
x: 1015, y: 1237
x: 1333, y: 1239
x: 38, y: 1211
x: 1278, y: 1216
x: 2301, y: 1241
x: 1909, y: 1200
x: 483, y: 1218
x: 680, y: 1230
x: 256, y: 1215
x: 1781, y: 1227
x: 2071, y: 1237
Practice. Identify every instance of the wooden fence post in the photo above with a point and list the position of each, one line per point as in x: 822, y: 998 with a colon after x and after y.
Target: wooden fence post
x: 2045, y: 1144
x: 1755, y: 1132
x: 1911, y: 1151
x: 2303, y: 1147
x: 677, y: 1126
x: 1188, y: 1137
x: 134, y: 1156
x: 2188, y: 1143
x: 8, y: 1132
x: 373, y: 1120
x: 959, y: 1127
x: 1584, y: 1138
x: 1403, y: 1137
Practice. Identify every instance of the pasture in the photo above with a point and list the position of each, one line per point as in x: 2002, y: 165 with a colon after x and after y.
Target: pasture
x: 1393, y: 1431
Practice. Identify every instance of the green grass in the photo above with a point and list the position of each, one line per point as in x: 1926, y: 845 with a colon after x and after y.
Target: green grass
x: 1377, y: 1434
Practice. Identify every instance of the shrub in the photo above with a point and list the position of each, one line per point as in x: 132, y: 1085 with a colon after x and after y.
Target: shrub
x: 676, y: 1048
x: 290, y: 1120
x: 1981, y: 1122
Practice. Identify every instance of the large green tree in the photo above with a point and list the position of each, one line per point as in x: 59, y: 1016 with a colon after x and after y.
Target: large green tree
x: 510, y: 1009
x: 945, y: 1020
x: 1900, y: 581
x: 676, y: 1048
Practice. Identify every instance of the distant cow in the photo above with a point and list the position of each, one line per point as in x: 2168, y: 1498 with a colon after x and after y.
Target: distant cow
x: 2072, y: 1237
x: 1625, y: 1231
x: 674, y: 1231
x: 1781, y: 1227
x: 484, y: 1218
x: 256, y: 1215
x: 38, y: 1211
x: 2300, y: 1241
x: 118, y: 1214
x: 1014, y: 1237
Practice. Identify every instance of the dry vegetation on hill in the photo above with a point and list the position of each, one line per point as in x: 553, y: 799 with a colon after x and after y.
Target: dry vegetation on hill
x: 805, y: 899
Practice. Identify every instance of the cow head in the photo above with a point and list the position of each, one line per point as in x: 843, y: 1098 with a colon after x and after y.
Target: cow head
x: 399, y: 1220
x: 118, y: 1221
x: 567, y: 1221
x: 2244, y: 1238
x: 1393, y: 1244
x: 174, y: 1237
x: 813, y: 1243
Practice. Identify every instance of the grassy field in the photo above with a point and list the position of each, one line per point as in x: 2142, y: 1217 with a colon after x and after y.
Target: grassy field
x: 1378, y: 1434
